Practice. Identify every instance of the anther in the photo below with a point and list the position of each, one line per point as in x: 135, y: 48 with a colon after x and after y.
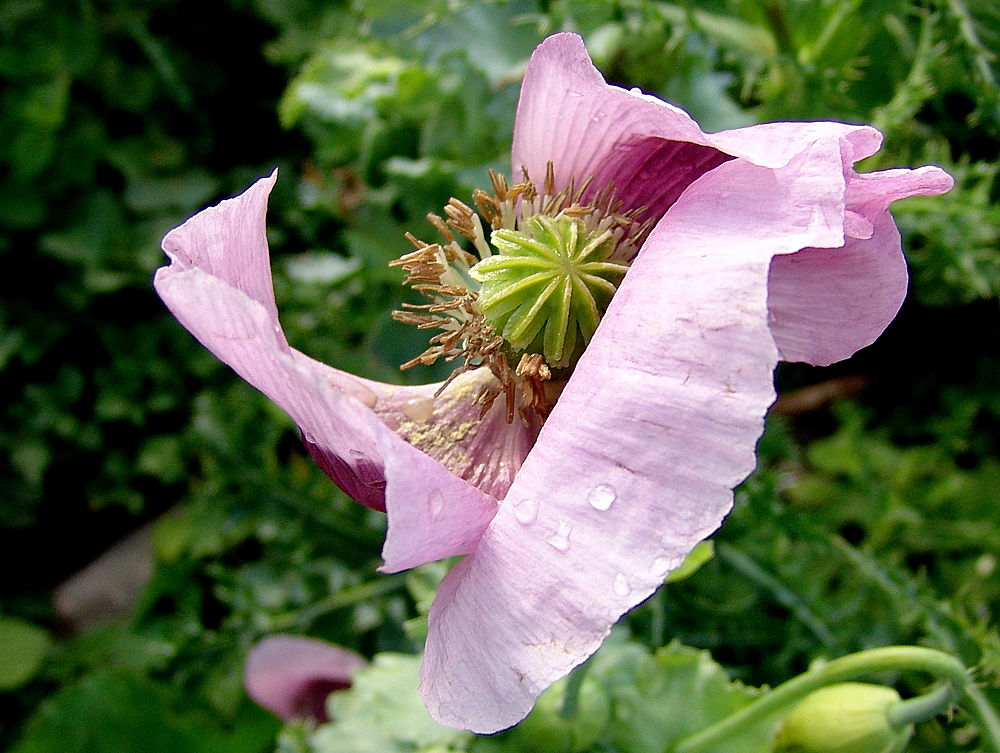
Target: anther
x: 460, y: 218
x: 440, y: 226
x: 488, y: 207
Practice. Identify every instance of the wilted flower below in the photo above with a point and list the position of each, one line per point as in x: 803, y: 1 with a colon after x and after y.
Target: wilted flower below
x: 742, y: 248
x: 293, y: 675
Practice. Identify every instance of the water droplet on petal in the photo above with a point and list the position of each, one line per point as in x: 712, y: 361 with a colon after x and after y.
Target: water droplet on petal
x: 526, y: 511
x: 599, y: 116
x: 420, y: 409
x: 601, y: 497
x: 435, y: 504
x: 661, y: 566
x: 621, y: 585
x: 573, y: 94
x: 560, y: 539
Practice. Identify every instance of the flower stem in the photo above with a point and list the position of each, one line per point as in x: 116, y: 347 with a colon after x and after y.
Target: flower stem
x: 921, y: 707
x: 571, y: 700
x: 346, y: 598
x: 985, y: 716
x: 839, y: 670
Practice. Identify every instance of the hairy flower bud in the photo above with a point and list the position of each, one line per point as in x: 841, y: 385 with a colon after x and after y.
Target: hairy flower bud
x: 850, y: 717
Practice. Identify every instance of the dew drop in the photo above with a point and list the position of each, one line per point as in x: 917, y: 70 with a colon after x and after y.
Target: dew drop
x: 574, y: 94
x: 601, y: 497
x: 560, y: 539
x: 661, y: 566
x: 621, y: 585
x: 599, y: 116
x: 420, y: 409
x: 526, y: 511
x: 435, y: 504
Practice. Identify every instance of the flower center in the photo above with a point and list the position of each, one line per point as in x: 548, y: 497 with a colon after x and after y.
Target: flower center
x: 552, y: 281
x: 536, y: 292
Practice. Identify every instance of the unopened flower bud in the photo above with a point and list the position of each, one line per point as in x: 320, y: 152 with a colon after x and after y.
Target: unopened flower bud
x: 545, y: 729
x: 850, y: 717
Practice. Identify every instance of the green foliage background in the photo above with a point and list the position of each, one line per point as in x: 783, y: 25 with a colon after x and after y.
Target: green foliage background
x: 872, y: 519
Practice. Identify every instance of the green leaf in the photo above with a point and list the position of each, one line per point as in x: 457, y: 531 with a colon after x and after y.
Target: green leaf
x: 115, y: 710
x: 22, y: 648
x: 658, y: 700
x: 383, y: 713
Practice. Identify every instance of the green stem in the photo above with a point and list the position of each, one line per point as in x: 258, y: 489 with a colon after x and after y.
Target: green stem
x: 985, y: 716
x: 346, y: 598
x: 921, y: 707
x: 849, y: 667
x: 571, y: 700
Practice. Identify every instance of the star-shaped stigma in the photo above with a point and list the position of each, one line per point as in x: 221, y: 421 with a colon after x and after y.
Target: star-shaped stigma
x: 551, y: 280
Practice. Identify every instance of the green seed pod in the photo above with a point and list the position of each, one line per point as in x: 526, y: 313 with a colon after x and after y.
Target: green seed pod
x: 549, y: 286
x: 850, y: 717
x: 545, y: 730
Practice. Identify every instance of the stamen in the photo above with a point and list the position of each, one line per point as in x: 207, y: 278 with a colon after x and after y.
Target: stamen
x: 560, y: 260
x: 533, y: 372
x: 440, y: 226
x: 422, y: 265
x: 499, y: 183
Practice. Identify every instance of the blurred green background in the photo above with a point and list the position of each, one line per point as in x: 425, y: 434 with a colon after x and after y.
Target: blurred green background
x: 872, y: 519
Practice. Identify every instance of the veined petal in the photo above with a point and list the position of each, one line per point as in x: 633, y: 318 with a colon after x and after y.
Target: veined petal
x: 648, y: 150
x: 484, y: 450
x: 826, y: 304
x: 292, y: 675
x: 432, y: 513
x: 638, y: 459
x: 218, y: 285
x: 243, y: 334
x: 229, y: 242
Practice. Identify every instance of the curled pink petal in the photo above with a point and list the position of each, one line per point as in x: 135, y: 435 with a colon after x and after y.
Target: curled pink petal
x: 292, y: 675
x: 243, y: 334
x: 432, y: 513
x: 450, y: 427
x: 218, y: 285
x: 825, y: 304
x: 637, y: 462
x: 648, y: 150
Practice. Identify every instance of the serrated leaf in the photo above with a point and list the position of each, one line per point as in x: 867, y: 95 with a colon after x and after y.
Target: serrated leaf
x: 383, y: 713
x: 662, y: 698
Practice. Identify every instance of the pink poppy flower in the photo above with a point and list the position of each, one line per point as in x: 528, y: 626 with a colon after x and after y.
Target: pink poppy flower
x: 765, y: 244
x: 293, y: 675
